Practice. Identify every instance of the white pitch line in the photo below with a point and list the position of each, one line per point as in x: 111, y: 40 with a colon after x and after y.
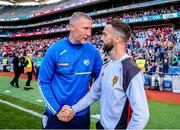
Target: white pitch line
x: 7, y: 91
x: 97, y: 116
x: 21, y: 108
x: 39, y: 100
x: 33, y: 112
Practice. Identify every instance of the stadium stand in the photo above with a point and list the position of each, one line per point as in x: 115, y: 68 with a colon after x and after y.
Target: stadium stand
x: 154, y: 39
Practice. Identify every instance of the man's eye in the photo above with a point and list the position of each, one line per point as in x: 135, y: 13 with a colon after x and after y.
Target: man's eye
x: 86, y: 28
x: 104, y: 34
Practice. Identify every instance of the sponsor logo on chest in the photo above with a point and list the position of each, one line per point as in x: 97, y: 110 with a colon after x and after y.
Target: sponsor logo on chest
x: 86, y: 62
x: 64, y: 64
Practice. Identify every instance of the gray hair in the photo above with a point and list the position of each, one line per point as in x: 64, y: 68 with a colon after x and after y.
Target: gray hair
x: 77, y: 15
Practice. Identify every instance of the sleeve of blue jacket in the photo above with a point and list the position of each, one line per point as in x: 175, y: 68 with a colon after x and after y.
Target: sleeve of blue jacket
x: 45, y: 78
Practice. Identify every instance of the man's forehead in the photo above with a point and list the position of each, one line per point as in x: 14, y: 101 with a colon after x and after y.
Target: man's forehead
x: 84, y: 22
x: 108, y: 28
x: 82, y: 19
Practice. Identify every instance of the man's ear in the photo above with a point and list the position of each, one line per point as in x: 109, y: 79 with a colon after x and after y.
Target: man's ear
x: 116, y: 38
x: 72, y: 27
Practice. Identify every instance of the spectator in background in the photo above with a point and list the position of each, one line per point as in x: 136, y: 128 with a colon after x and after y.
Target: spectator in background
x: 38, y: 62
x: 5, y: 63
x: 141, y: 63
x: 157, y: 78
x: 18, y: 64
x: 162, y: 51
x: 165, y: 66
x: 175, y: 60
x: 153, y: 67
x: 147, y: 67
x: 29, y: 70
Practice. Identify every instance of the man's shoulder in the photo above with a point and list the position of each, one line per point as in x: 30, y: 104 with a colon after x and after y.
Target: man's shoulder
x: 60, y: 42
x: 130, y: 66
x: 58, y: 45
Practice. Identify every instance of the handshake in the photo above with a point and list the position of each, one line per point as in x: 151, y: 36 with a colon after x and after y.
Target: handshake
x: 66, y: 113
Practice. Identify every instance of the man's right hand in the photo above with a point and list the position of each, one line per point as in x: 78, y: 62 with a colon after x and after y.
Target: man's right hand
x: 66, y: 113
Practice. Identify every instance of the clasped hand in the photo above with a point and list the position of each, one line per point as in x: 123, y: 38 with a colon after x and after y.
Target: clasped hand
x: 66, y: 113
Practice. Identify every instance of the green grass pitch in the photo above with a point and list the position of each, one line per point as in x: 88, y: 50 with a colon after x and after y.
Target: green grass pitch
x: 162, y: 115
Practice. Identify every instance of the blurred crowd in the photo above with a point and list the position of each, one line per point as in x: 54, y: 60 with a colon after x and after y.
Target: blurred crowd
x: 153, y: 49
x: 136, y: 14
x: 10, y: 48
x: 124, y: 15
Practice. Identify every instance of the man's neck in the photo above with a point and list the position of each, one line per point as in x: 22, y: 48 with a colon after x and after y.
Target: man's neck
x: 117, y: 53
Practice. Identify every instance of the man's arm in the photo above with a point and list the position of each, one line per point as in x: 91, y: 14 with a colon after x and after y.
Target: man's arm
x: 45, y: 78
x: 92, y: 96
x: 67, y: 112
x: 138, y: 102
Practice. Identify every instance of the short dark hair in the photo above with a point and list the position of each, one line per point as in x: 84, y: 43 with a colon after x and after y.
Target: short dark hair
x: 121, y: 27
x: 75, y: 16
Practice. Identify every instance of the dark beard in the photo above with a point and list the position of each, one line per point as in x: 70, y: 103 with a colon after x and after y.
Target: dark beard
x: 108, y: 47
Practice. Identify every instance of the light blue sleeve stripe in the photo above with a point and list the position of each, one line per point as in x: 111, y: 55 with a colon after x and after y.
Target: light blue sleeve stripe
x: 46, y: 102
x: 45, y: 79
